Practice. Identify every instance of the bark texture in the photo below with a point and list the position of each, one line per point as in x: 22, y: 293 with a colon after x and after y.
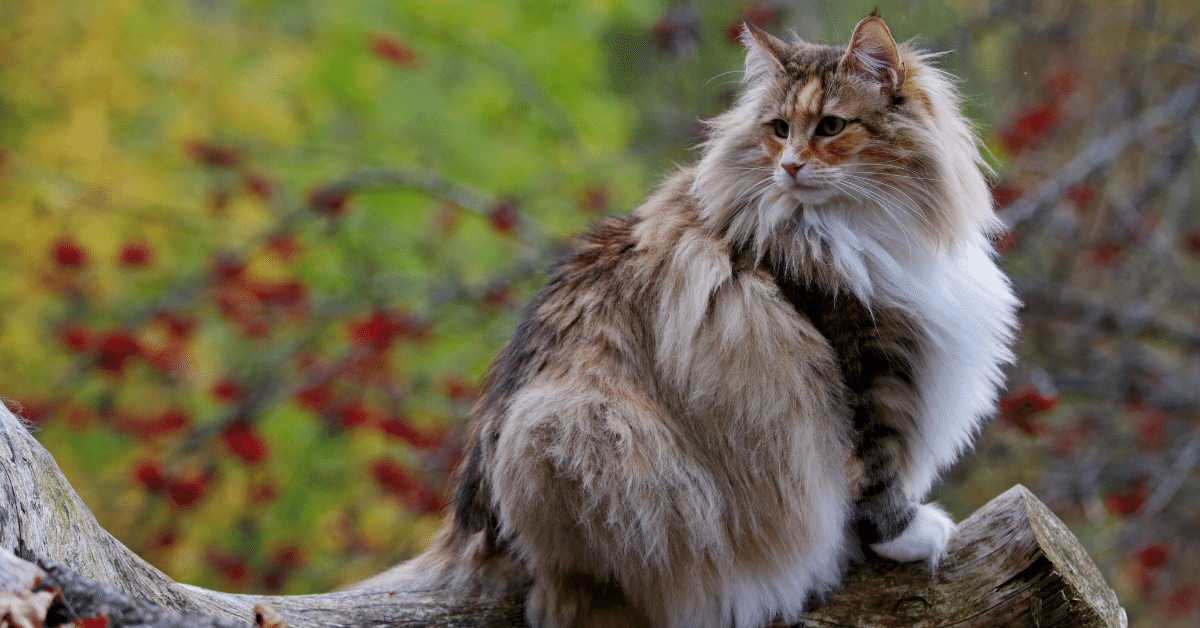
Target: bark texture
x: 1012, y: 563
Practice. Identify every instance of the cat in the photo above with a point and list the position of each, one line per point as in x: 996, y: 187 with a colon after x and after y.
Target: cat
x: 718, y: 400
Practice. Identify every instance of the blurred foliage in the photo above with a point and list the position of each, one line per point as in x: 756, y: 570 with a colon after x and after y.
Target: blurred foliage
x: 259, y: 253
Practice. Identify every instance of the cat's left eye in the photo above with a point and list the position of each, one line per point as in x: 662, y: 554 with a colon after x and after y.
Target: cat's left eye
x: 830, y: 126
x: 781, y: 128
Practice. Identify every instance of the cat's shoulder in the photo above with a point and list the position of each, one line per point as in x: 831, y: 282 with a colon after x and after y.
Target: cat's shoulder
x: 642, y: 241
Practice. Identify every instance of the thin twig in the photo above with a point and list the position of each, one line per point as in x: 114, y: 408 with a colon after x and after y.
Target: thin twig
x: 1099, y: 153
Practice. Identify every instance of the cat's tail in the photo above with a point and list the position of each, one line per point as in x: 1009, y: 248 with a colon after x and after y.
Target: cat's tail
x: 455, y: 560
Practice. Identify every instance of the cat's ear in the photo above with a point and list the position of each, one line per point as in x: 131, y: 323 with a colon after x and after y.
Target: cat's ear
x: 873, y: 54
x: 764, y: 51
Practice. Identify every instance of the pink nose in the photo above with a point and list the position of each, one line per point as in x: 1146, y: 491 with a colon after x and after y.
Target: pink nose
x: 792, y: 169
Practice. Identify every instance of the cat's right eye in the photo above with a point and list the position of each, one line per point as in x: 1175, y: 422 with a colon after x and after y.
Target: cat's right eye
x: 781, y: 128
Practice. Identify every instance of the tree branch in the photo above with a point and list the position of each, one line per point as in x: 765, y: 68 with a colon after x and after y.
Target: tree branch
x: 1012, y: 563
x: 1101, y: 152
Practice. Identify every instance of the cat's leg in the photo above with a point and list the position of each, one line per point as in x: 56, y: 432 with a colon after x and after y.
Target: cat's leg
x: 890, y: 522
x: 593, y: 495
x: 552, y: 603
x: 579, y: 602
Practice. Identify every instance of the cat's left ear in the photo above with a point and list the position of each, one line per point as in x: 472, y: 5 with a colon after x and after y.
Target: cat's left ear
x: 873, y: 54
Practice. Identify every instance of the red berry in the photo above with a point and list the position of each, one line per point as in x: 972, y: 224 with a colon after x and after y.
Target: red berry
x: 1080, y: 196
x: 235, y: 570
x: 1030, y: 126
x: 1004, y: 195
x: 1127, y: 503
x: 166, y: 538
x: 1152, y: 428
x: 184, y: 494
x: 168, y: 423
x: 1152, y: 556
x: 394, y: 51
x: 259, y: 186
x: 179, y: 326
x: 76, y: 339
x: 116, y: 350
x: 243, y: 441
x: 1181, y: 600
x: 226, y: 390
x: 595, y: 200
x: 1019, y: 406
x: 316, y: 398
x: 149, y: 474
x: 284, y: 245
x: 263, y: 492
x: 503, y: 216
x: 69, y: 254
x: 227, y: 270
x: 329, y: 202
x: 498, y: 295
x: 135, y: 256
x: 1191, y: 242
x: 1061, y: 83
x: 733, y: 32
x: 378, y: 331
x: 402, y: 429
x: 212, y: 155
x: 289, y: 295
x: 763, y: 14
x: 458, y: 389
x: 391, y: 476
x: 355, y: 414
x: 290, y: 556
x: 1104, y: 254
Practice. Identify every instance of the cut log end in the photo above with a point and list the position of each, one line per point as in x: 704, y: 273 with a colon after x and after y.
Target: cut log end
x: 1012, y: 563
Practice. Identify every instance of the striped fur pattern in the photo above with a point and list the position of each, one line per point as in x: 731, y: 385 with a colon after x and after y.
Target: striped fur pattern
x: 717, y: 400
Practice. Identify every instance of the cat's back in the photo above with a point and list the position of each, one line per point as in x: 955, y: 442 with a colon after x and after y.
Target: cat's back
x: 602, y: 295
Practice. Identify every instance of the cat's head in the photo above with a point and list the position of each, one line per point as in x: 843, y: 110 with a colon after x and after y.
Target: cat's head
x: 872, y: 127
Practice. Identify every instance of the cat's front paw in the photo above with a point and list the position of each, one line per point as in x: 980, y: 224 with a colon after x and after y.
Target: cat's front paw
x: 924, y: 539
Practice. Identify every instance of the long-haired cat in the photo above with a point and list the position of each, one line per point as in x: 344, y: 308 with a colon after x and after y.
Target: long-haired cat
x: 718, y: 399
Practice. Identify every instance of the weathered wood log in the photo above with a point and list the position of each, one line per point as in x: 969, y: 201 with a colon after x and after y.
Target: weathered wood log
x: 1012, y: 563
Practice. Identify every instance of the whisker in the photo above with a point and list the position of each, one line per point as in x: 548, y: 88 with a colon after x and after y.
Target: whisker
x: 908, y: 204
x: 874, y: 196
x: 891, y: 203
x: 722, y: 74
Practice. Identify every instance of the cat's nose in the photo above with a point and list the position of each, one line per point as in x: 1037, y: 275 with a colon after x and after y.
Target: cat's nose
x: 792, y: 168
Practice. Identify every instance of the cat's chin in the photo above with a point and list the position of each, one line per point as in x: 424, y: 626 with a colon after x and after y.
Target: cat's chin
x: 809, y: 195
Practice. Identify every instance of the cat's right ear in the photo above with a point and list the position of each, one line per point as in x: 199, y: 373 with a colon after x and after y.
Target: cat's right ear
x: 765, y: 53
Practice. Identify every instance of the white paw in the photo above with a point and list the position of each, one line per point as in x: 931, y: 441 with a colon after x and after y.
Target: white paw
x: 924, y: 539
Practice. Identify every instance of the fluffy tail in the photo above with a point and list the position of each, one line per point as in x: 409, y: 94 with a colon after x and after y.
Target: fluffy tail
x: 457, y: 560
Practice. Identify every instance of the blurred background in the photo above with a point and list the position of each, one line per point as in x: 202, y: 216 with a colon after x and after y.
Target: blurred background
x: 256, y: 255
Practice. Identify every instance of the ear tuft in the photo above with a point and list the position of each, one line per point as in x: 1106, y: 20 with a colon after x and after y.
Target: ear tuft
x: 873, y: 54
x: 769, y: 49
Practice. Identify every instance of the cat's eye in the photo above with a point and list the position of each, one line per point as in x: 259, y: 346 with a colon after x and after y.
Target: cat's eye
x: 830, y: 126
x: 781, y: 128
